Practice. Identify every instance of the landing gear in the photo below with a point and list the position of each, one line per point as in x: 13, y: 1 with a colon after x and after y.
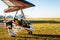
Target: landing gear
x: 30, y: 32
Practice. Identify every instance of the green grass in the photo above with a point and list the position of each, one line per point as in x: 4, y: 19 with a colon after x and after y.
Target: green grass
x: 38, y: 33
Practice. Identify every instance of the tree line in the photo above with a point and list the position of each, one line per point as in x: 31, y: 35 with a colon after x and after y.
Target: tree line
x: 10, y: 16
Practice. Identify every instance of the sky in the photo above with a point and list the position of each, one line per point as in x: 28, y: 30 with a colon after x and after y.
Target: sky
x: 42, y: 9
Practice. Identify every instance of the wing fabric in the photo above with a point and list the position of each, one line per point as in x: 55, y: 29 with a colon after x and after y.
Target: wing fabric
x: 16, y: 4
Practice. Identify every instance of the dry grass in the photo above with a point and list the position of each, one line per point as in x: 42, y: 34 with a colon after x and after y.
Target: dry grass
x: 43, y: 28
x: 56, y: 19
x: 47, y: 28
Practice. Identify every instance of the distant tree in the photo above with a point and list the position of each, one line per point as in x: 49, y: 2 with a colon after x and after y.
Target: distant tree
x: 18, y: 16
x: 9, y: 16
x: 1, y: 17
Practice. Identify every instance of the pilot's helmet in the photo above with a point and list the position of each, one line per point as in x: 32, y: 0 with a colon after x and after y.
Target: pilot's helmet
x: 15, y: 19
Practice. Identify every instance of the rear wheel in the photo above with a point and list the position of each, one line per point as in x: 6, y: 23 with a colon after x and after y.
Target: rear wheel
x: 13, y: 36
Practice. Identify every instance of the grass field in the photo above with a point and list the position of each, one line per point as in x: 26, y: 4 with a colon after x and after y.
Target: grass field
x: 43, y: 31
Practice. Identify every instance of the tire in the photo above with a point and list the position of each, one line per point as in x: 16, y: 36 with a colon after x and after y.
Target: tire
x: 30, y: 32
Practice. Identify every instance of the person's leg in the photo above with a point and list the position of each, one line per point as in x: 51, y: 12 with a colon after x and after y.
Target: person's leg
x: 11, y: 32
x: 30, y: 30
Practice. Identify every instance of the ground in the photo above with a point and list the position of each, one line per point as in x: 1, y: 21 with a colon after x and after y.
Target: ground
x: 43, y: 31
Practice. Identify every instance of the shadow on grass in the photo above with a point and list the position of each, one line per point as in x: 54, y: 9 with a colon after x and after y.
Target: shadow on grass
x: 44, y: 21
x: 46, y: 35
x: 40, y: 36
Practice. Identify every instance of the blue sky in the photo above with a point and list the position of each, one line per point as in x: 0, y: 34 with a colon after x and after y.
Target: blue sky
x: 42, y: 9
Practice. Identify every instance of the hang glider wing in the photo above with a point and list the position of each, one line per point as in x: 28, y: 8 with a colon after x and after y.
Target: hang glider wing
x: 8, y: 3
x: 16, y: 4
x: 11, y: 9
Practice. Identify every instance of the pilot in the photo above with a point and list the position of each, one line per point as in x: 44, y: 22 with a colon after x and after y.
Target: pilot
x: 16, y: 21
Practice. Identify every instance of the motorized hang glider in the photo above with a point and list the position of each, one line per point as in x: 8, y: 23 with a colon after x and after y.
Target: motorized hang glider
x: 15, y: 5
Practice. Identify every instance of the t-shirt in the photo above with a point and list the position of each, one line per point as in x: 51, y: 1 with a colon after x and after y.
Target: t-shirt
x: 16, y: 22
